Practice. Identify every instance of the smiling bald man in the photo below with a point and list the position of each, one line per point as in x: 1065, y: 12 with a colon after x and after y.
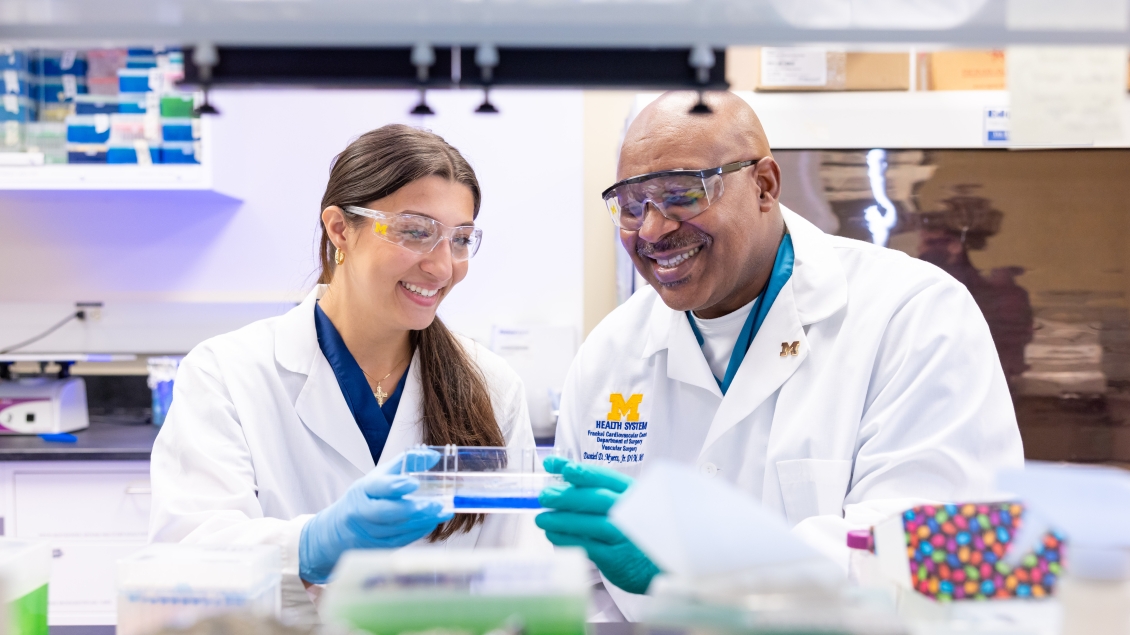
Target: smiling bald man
x: 835, y: 381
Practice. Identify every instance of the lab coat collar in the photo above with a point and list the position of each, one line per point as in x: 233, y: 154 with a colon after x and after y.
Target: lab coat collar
x: 818, y: 290
x: 296, y: 341
x: 819, y: 284
x: 321, y: 405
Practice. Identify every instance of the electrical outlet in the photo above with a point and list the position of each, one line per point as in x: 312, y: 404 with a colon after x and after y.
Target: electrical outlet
x: 93, y: 310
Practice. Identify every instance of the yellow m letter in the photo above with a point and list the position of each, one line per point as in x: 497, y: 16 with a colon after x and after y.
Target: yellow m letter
x: 624, y: 410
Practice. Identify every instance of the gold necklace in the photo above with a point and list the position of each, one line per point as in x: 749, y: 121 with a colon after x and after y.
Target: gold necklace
x: 379, y: 393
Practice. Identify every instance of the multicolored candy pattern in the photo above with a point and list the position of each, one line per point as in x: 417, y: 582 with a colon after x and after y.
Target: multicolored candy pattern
x: 956, y: 553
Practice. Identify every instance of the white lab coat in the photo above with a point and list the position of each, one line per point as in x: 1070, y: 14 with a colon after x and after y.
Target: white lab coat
x: 259, y: 438
x: 895, y: 394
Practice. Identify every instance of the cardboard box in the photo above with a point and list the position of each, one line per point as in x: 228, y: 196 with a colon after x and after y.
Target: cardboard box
x: 962, y: 70
x: 815, y: 69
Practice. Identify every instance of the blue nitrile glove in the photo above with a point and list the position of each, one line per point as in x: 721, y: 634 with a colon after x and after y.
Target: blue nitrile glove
x: 372, y: 514
x: 580, y: 519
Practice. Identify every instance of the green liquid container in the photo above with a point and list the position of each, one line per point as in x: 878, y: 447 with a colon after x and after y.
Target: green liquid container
x: 473, y: 591
x: 25, y: 569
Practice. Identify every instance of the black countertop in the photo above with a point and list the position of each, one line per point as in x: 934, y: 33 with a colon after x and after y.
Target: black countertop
x: 107, y: 439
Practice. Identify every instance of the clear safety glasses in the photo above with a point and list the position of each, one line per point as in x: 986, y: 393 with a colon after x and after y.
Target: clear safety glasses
x: 679, y: 195
x: 420, y: 233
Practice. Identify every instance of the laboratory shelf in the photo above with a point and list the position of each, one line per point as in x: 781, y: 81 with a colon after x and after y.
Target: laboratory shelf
x: 959, y: 119
x: 179, y: 177
x: 106, y: 177
x: 109, y: 438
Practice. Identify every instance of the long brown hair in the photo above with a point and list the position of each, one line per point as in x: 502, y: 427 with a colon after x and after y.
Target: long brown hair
x: 456, y: 406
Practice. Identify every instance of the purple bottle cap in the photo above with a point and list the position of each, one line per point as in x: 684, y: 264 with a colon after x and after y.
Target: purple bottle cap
x: 860, y: 539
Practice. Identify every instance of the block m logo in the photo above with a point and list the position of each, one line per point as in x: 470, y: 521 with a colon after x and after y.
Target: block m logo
x: 624, y: 410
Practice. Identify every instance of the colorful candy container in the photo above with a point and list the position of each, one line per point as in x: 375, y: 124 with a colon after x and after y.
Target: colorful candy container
x: 956, y: 552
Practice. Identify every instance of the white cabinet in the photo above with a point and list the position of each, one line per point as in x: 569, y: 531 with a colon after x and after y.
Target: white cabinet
x: 92, y: 513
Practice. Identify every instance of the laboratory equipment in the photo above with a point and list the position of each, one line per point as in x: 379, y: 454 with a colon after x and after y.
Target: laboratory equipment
x: 479, y: 480
x: 25, y: 568
x: 473, y: 592
x: 174, y: 585
x: 162, y: 372
x: 43, y: 405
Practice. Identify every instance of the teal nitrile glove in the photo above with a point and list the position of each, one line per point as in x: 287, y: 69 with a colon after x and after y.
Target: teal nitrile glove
x: 372, y: 514
x: 580, y: 519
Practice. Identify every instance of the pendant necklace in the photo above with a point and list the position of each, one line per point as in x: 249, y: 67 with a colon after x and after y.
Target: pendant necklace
x: 379, y: 393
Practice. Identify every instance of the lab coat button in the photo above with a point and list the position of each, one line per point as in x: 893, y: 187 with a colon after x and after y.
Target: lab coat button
x: 708, y: 469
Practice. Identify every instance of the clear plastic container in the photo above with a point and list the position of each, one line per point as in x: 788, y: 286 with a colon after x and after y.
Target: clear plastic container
x: 25, y: 568
x: 174, y: 585
x: 459, y: 591
x: 482, y: 480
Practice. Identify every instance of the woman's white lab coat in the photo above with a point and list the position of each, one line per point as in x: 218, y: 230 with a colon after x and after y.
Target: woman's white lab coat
x: 872, y: 385
x: 259, y: 438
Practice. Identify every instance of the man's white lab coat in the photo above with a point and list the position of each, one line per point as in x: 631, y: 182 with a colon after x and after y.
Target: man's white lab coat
x: 872, y: 385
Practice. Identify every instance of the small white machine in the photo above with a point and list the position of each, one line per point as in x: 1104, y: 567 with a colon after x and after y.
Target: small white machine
x: 43, y: 405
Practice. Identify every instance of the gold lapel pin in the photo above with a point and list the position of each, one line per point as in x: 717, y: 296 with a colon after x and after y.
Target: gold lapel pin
x: 788, y: 349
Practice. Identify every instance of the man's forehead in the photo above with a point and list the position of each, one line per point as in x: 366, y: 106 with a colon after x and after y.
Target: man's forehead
x: 666, y: 136
x: 672, y: 149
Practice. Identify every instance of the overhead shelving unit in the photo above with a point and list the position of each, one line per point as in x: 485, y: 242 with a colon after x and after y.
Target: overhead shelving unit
x: 119, y: 177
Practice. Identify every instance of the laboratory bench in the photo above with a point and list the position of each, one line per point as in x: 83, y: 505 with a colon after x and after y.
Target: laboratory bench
x: 109, y: 438
x: 601, y: 628
x: 90, y: 500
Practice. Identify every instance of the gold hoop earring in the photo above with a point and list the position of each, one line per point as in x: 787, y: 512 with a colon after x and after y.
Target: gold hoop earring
x: 339, y: 256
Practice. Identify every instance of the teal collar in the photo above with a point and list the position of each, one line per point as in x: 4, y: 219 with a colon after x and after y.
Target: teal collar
x: 782, y: 271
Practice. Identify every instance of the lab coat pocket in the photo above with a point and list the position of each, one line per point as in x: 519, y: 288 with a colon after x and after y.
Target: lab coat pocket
x: 813, y: 487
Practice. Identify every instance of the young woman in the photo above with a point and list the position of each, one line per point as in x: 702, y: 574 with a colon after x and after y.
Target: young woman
x: 289, y: 431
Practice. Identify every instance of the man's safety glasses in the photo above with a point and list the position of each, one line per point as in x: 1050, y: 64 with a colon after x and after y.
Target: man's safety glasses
x: 420, y: 233
x: 679, y: 195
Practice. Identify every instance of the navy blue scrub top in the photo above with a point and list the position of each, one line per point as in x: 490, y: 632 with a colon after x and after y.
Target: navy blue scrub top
x: 374, y: 420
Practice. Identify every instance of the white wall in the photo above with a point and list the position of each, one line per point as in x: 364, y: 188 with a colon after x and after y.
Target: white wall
x: 271, y: 151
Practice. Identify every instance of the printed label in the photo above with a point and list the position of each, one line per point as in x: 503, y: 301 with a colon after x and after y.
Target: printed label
x: 619, y: 437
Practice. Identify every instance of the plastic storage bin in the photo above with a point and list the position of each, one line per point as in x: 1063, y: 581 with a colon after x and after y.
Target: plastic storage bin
x: 58, y: 92
x: 430, y: 590
x: 14, y: 82
x: 180, y: 152
x: 176, y: 105
x: 125, y: 129
x: 179, y: 128
x: 88, y: 129
x: 13, y: 59
x: 59, y: 63
x: 16, y: 108
x: 474, y: 480
x: 135, y: 153
x: 173, y: 585
x: 136, y: 103
x: 25, y: 568
x: 96, y: 104
x: 48, y: 137
x: 138, y: 80
x: 87, y: 152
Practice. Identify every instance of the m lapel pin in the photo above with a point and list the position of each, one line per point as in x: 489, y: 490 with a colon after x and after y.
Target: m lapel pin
x: 788, y: 349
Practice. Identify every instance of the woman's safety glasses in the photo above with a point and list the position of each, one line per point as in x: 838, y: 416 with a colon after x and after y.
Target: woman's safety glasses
x: 679, y: 195
x: 420, y: 233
